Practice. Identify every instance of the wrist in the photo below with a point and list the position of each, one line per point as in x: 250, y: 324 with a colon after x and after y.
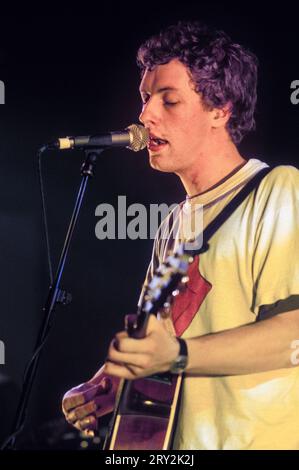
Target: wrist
x: 179, y: 364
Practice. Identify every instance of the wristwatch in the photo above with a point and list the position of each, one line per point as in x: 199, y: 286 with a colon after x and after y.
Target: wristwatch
x: 180, y: 363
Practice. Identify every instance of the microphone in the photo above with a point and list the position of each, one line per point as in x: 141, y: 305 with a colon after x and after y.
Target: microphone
x: 135, y: 137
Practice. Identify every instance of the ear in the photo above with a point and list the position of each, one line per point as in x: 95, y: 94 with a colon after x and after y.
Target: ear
x: 220, y: 116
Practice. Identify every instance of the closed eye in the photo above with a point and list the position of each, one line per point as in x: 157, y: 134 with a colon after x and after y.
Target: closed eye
x: 170, y: 103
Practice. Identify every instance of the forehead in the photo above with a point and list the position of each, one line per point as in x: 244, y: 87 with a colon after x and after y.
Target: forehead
x: 173, y: 75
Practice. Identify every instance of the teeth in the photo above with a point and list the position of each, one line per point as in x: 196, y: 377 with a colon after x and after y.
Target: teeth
x: 158, y: 141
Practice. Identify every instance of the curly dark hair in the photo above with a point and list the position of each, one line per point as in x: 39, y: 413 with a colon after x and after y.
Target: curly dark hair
x: 223, y: 72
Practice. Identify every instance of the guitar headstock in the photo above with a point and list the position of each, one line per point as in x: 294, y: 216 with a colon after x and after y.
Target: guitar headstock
x: 169, y: 278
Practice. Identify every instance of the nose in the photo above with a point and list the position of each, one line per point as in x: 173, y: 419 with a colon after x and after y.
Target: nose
x: 149, y: 114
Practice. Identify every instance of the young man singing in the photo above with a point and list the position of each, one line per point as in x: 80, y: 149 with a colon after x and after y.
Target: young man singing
x: 241, y: 325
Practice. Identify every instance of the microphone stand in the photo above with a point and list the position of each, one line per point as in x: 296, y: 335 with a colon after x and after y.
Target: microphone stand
x: 55, y: 295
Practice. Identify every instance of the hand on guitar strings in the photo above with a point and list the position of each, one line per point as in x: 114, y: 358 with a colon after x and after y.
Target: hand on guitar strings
x: 130, y: 358
x: 84, y: 404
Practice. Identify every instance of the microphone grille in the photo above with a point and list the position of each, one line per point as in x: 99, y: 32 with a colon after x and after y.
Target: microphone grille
x: 139, y: 137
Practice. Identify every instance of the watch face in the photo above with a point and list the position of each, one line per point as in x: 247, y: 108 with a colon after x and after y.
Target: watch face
x: 179, y: 365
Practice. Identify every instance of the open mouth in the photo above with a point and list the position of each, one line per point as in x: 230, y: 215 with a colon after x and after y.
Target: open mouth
x: 156, y: 142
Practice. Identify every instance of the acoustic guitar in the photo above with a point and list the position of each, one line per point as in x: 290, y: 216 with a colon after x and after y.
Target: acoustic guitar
x: 146, y: 409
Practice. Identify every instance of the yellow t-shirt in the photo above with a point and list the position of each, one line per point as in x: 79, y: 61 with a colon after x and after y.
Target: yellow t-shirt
x: 252, y: 261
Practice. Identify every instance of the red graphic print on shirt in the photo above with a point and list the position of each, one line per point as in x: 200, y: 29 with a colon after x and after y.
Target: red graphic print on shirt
x: 187, y: 302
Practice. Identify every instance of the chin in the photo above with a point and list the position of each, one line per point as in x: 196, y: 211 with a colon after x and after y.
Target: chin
x: 157, y: 163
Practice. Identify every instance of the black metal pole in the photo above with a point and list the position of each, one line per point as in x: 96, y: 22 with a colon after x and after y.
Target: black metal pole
x: 20, y: 417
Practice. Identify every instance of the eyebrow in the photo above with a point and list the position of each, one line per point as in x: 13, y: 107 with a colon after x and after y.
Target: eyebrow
x: 161, y: 90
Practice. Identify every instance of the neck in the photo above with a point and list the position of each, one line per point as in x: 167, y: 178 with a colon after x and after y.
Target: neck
x: 209, y: 169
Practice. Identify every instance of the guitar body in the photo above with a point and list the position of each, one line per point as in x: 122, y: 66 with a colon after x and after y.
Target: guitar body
x: 146, y: 413
x: 146, y: 409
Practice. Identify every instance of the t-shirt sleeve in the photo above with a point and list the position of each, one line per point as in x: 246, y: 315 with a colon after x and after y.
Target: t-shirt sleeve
x: 275, y: 264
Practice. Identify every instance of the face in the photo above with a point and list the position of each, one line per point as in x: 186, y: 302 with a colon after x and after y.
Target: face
x: 174, y: 114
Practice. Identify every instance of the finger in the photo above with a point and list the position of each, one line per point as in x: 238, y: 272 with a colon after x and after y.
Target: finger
x: 132, y: 345
x: 72, y: 401
x: 121, y: 334
x: 88, y: 433
x: 119, y: 337
x: 84, y: 393
x: 81, y: 411
x: 78, y: 396
x: 123, y: 371
x: 128, y: 359
x: 89, y: 423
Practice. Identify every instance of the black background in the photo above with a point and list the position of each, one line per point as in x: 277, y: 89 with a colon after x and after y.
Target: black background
x: 74, y: 74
